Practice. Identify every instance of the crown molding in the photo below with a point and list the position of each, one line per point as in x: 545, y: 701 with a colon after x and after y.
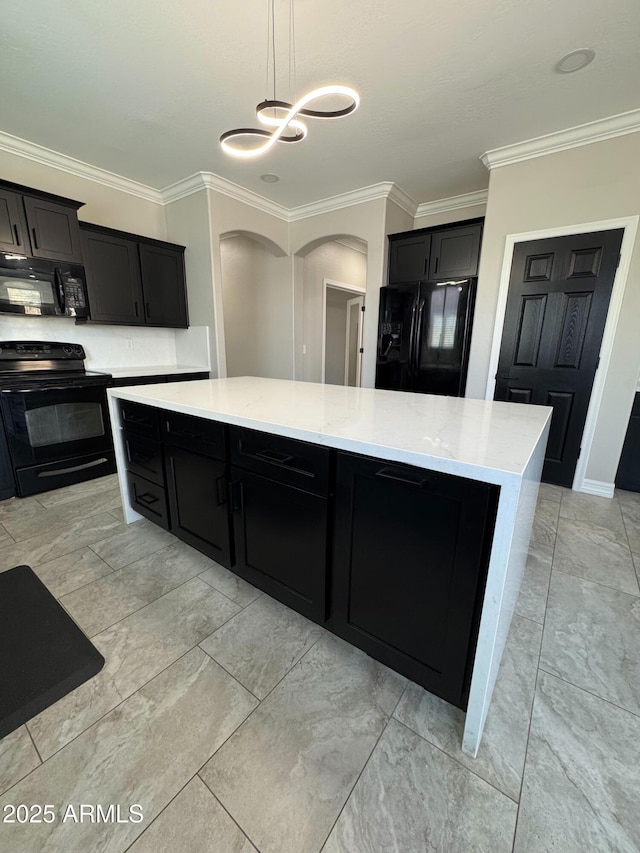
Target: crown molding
x: 571, y: 137
x: 454, y: 202
x: 403, y: 200
x: 336, y: 202
x: 211, y: 181
x: 64, y: 163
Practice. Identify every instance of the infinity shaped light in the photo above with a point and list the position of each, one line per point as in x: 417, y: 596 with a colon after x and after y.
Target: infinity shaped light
x: 282, y: 117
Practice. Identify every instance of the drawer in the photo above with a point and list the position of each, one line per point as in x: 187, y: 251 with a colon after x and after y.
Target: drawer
x: 149, y: 499
x: 187, y: 377
x: 144, y: 457
x: 197, y: 434
x: 295, y: 463
x: 140, y: 419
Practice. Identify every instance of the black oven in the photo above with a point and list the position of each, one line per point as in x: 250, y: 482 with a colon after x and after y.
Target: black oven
x: 56, y: 424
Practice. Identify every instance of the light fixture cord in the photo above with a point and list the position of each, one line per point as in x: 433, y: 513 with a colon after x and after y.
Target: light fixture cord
x: 271, y: 47
x: 292, y: 54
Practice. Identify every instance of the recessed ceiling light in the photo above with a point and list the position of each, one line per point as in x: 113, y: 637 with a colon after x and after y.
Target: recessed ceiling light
x: 269, y: 178
x: 575, y: 60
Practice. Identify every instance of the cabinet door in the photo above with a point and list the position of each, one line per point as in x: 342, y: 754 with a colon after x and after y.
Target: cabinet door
x: 53, y: 230
x: 112, y: 269
x: 410, y: 558
x: 408, y: 258
x: 455, y: 252
x: 280, y: 535
x: 164, y: 285
x: 13, y: 226
x: 199, y: 512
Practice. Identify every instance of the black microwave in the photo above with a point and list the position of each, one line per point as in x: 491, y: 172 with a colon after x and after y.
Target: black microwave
x: 40, y: 288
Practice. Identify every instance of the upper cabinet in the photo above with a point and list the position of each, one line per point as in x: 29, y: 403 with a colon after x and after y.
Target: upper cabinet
x: 133, y: 280
x: 39, y: 224
x: 451, y: 251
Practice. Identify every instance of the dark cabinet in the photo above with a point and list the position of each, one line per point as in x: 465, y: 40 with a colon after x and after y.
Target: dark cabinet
x: 39, y: 224
x: 112, y: 268
x: 144, y: 460
x: 628, y: 474
x: 408, y: 258
x: 13, y: 225
x: 450, y: 251
x: 134, y: 280
x: 280, y: 518
x: 410, y: 558
x: 455, y: 252
x: 158, y: 378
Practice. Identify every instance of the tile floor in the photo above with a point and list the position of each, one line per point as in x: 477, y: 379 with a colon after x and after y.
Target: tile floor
x: 239, y: 726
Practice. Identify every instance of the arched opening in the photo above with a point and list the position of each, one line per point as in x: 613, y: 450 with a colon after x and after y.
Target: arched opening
x: 257, y: 306
x: 330, y: 277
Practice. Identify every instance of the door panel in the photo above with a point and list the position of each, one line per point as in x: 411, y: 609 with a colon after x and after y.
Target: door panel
x: 557, y: 305
x: 397, y: 325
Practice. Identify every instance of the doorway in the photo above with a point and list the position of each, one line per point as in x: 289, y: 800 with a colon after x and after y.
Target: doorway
x: 556, y: 310
x: 343, y: 307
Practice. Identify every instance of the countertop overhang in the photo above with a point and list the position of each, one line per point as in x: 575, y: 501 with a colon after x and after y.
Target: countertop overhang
x: 480, y: 439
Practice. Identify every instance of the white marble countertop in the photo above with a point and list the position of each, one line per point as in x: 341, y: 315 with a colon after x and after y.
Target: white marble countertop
x: 480, y: 439
x: 150, y: 370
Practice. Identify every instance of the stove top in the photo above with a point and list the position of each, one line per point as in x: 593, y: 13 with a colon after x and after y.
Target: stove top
x: 45, y: 363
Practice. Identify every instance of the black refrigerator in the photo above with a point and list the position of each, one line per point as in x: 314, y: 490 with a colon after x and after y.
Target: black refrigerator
x: 424, y: 334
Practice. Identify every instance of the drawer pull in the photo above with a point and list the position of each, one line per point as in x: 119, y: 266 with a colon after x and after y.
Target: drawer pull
x: 236, y: 496
x: 183, y: 433
x: 402, y: 477
x: 221, y: 491
x: 274, y: 456
x: 134, y: 419
x: 147, y: 499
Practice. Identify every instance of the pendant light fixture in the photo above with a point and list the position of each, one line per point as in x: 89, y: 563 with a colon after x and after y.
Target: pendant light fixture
x: 283, y: 117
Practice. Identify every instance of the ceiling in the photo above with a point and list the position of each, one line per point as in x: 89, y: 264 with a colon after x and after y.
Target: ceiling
x: 144, y: 89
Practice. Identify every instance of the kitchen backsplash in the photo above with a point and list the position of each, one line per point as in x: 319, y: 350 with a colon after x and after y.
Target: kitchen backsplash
x: 115, y: 346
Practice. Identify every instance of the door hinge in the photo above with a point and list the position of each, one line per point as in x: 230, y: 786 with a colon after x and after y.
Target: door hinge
x: 598, y: 363
x: 619, y: 259
x: 362, y: 307
x: 361, y: 350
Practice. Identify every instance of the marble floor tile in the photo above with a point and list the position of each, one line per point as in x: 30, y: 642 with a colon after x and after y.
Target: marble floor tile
x: 72, y: 571
x: 582, y: 783
x: 500, y: 760
x: 136, y: 541
x: 194, y: 822
x: 4, y: 535
x: 595, y: 553
x: 413, y: 797
x: 545, y: 523
x: 118, y: 512
x: 603, y: 512
x: 592, y: 639
x: 532, y: 599
x: 231, y: 585
x: 48, y: 546
x: 87, y: 489
x: 18, y: 757
x: 144, y: 752
x: 111, y: 598
x: 135, y: 650
x: 550, y: 492
x: 19, y: 508
x: 286, y: 773
x: 261, y: 644
x: 24, y: 526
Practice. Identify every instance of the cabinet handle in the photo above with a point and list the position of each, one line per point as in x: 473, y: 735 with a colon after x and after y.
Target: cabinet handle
x: 148, y: 309
x: 274, y: 456
x: 135, y: 308
x: 237, y: 497
x: 17, y: 233
x: 402, y: 477
x: 147, y: 499
x: 221, y: 491
x: 35, y: 238
x: 437, y: 263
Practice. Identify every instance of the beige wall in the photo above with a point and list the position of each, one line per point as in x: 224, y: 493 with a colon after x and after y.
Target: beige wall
x: 591, y: 183
x: 340, y: 264
x: 238, y: 284
x: 336, y: 328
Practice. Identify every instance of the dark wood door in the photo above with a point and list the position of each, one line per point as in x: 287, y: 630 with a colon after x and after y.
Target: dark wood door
x: 199, y: 510
x: 409, y: 566
x: 454, y: 253
x: 112, y: 269
x: 408, y: 258
x: 13, y: 226
x: 53, y: 230
x: 280, y: 536
x: 164, y: 285
x: 557, y: 305
x: 628, y: 474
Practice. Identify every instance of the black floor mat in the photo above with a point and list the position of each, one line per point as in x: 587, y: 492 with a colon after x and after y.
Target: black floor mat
x: 43, y: 653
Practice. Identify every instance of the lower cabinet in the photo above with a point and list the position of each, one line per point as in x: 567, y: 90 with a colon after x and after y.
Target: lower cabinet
x: 410, y: 557
x: 197, y: 487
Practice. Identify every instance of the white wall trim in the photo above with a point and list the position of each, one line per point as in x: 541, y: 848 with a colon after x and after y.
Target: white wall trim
x: 454, y: 202
x: 209, y: 180
x: 561, y: 140
x: 598, y: 488
x: 336, y: 202
x: 630, y: 225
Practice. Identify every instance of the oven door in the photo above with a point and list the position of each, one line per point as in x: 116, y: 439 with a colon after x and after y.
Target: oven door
x: 55, y: 423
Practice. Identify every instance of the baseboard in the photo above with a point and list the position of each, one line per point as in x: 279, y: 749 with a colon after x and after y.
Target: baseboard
x: 598, y: 488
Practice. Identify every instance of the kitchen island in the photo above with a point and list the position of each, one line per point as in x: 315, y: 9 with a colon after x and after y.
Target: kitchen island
x: 329, y: 442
